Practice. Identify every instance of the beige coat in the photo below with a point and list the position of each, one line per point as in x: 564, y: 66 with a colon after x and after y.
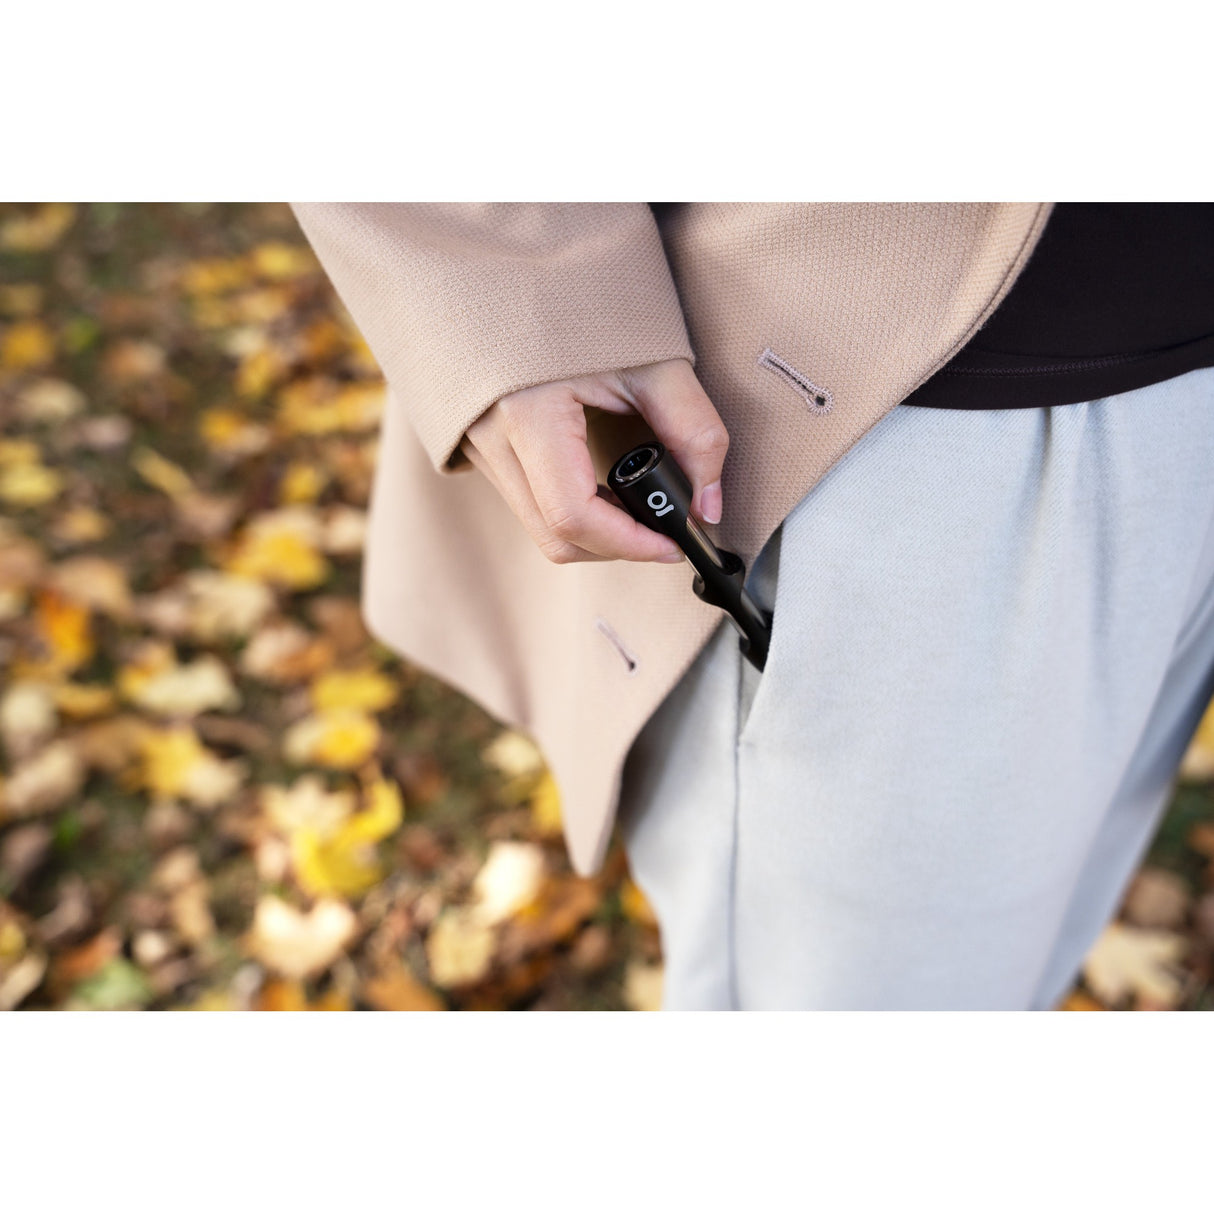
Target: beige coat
x: 462, y: 303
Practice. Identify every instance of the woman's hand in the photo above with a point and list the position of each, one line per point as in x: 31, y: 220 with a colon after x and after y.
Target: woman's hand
x: 531, y: 445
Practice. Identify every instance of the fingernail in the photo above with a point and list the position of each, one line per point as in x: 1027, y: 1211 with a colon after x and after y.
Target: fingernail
x: 710, y: 503
x: 670, y: 558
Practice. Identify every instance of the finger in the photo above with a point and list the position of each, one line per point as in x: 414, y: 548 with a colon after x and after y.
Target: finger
x: 669, y: 397
x: 503, y: 471
x: 551, y: 447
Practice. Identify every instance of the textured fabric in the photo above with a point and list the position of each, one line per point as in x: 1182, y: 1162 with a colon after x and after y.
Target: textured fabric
x: 1117, y: 295
x: 971, y: 713
x: 461, y: 304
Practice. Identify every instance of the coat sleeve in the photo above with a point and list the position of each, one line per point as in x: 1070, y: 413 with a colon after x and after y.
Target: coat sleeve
x: 462, y: 303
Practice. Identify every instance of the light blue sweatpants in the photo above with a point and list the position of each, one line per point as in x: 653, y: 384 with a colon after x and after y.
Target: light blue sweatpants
x: 993, y: 639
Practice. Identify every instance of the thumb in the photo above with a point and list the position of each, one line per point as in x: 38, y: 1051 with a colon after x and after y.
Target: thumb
x: 669, y: 397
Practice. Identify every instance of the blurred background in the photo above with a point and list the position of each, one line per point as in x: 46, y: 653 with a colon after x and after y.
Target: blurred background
x: 216, y: 790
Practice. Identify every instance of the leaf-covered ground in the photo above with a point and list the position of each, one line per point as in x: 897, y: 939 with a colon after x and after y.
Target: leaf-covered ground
x: 217, y: 791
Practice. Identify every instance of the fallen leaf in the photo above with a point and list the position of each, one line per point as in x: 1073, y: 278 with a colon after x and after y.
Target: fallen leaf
x: 1127, y: 961
x: 341, y: 859
x: 459, y: 948
x: 546, y: 807
x: 1198, y: 762
x: 176, y: 764
x: 281, y: 548
x: 364, y: 688
x: 47, y: 401
x: 44, y: 781
x: 26, y: 345
x: 509, y: 880
x: 395, y: 989
x: 38, y: 230
x: 94, y: 582
x: 635, y: 905
x: 299, y: 944
x: 161, y: 473
x: 65, y: 629
x: 1157, y: 898
x: 285, y: 653
x: 514, y: 754
x: 156, y: 683
x: 343, y: 739
x: 643, y: 987
x: 27, y: 717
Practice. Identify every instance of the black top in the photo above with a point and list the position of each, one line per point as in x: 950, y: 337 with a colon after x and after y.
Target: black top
x: 1115, y: 296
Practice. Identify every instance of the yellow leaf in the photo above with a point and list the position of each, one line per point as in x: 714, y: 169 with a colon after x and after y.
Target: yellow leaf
x: 177, y: 764
x: 546, y: 806
x: 83, y: 700
x: 335, y: 856
x: 66, y: 629
x: 635, y: 905
x: 365, y: 688
x: 318, y: 406
x: 301, y: 483
x: 37, y: 231
x: 29, y: 484
x: 81, y: 525
x: 259, y: 370
x: 281, y: 548
x: 215, y: 276
x: 232, y: 434
x: 161, y: 473
x: 26, y: 345
x: 343, y: 739
x: 279, y: 261
x: 333, y: 866
x: 1198, y: 762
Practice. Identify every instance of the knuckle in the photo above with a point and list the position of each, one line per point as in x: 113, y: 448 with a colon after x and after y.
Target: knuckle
x: 558, y: 551
x: 565, y: 525
x: 712, y: 440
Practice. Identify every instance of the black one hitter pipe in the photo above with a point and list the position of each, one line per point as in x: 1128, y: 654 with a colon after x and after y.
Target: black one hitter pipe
x: 655, y: 492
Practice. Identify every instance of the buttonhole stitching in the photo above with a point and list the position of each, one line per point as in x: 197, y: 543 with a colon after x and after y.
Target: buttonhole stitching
x: 620, y: 648
x: 818, y: 399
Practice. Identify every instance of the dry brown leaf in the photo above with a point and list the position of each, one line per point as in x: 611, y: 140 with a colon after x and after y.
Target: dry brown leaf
x: 285, y: 653
x: 45, y: 781
x: 395, y: 989
x: 1157, y: 898
x: 94, y: 581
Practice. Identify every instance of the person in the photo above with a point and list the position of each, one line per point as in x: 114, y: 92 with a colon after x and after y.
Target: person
x: 964, y: 450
